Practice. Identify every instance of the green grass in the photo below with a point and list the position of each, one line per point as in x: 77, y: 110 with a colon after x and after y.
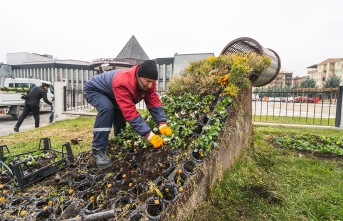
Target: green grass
x: 294, y: 120
x: 269, y: 183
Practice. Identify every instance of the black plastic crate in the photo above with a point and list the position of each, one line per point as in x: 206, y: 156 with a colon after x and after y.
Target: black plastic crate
x: 25, y: 177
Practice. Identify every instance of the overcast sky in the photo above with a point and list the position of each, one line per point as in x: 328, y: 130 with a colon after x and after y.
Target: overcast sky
x: 302, y: 32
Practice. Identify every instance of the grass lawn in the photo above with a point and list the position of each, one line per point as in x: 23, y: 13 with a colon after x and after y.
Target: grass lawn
x: 294, y: 120
x: 273, y: 183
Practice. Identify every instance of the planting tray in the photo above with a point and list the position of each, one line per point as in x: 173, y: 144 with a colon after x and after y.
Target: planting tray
x: 25, y: 175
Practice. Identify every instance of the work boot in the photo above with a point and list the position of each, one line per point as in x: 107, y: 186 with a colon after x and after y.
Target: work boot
x: 101, y: 159
x: 16, y: 129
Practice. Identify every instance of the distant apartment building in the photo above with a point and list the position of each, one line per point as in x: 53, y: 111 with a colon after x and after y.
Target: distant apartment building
x: 296, y: 81
x: 283, y: 79
x: 328, y: 68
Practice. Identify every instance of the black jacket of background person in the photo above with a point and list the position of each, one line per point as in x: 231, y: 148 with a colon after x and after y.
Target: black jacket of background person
x: 36, y: 94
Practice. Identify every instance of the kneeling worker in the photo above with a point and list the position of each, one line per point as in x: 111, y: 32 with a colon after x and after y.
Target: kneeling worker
x: 114, y: 94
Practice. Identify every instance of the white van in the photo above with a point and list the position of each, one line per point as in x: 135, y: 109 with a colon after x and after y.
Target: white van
x: 11, y: 90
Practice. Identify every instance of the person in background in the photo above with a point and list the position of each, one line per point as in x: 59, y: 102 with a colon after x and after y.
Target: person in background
x: 51, y: 117
x: 114, y: 94
x: 32, y: 104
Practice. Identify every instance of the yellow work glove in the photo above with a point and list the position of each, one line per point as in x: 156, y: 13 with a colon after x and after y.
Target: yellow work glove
x: 165, y: 130
x: 155, y: 140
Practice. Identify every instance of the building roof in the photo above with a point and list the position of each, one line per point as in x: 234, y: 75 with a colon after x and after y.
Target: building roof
x: 330, y: 60
x: 313, y: 66
x: 181, y: 61
x: 133, y: 50
x: 169, y: 60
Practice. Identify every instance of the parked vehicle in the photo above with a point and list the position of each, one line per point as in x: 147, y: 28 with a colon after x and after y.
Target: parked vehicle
x: 11, y: 90
x: 255, y: 97
x: 301, y: 99
x: 271, y: 99
x: 287, y: 99
x: 277, y: 99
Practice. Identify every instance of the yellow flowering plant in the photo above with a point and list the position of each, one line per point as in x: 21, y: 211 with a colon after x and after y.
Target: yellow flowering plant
x: 227, y: 72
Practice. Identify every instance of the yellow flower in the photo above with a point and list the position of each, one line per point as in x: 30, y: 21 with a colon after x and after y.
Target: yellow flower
x: 180, y: 189
x: 156, y: 202
x: 231, y: 90
x: 109, y: 185
x: 70, y: 191
x: 337, y: 142
x: 22, y: 213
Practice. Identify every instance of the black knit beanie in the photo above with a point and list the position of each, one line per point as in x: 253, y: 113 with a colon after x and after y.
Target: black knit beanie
x: 148, y: 69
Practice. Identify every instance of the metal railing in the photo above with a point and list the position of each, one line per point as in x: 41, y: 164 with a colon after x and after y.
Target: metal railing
x: 301, y: 106
x: 74, y: 101
x: 305, y: 105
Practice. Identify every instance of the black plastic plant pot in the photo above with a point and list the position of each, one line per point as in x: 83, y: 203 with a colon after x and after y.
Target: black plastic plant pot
x: 99, y: 177
x: 124, y: 203
x: 92, y: 207
x: 170, y: 192
x: 154, y: 207
x: 190, y: 167
x: 159, y: 181
x: 137, y: 217
x: 5, y: 179
x: 198, y: 129
x: 205, y: 119
x: 139, y: 189
x: 112, y: 191
x: 197, y: 155
x: 86, y: 196
x: 84, y: 187
x: 66, y: 202
x: 95, y: 171
x: 170, y: 166
x: 39, y: 193
x: 81, y: 178
x: 44, y: 214
x: 3, y: 208
x: 179, y: 177
x: 41, y: 204
x: 135, y: 165
x: 16, y: 201
x: 120, y: 177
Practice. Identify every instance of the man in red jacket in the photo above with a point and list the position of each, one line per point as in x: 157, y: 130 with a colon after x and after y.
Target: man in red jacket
x: 114, y: 94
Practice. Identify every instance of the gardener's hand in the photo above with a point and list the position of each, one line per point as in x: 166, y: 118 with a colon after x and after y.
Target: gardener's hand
x: 155, y: 140
x: 165, y: 130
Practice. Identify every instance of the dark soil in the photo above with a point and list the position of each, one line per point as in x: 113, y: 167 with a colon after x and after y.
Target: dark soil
x: 138, y: 177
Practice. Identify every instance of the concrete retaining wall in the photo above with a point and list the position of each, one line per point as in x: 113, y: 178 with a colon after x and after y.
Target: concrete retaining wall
x: 237, y: 134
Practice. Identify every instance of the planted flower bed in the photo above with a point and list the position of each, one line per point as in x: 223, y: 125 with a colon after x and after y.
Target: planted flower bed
x: 145, y: 182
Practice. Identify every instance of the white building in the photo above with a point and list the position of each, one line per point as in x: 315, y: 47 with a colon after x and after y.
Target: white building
x: 325, y: 69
